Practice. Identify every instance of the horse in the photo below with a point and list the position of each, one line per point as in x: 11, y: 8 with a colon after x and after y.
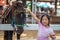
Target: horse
x: 15, y: 15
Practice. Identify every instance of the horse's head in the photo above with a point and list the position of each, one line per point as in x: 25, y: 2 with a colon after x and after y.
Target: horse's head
x: 19, y: 7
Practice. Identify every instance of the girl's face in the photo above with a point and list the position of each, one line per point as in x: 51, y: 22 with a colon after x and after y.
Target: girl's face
x: 45, y: 21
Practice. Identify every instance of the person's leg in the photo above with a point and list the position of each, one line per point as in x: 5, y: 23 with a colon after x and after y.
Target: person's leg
x: 10, y: 35
x: 5, y: 35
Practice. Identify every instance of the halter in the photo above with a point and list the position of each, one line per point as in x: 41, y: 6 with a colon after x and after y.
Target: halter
x: 14, y: 20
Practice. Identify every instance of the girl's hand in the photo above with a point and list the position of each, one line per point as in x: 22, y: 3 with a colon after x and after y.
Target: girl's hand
x: 27, y: 10
x: 32, y: 14
x: 53, y: 37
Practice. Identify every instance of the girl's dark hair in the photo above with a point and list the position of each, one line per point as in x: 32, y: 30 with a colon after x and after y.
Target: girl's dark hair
x: 48, y: 17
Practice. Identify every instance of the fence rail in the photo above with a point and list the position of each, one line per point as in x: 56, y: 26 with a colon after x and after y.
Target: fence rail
x: 30, y: 27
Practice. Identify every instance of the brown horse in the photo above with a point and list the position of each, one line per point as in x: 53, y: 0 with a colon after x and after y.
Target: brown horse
x: 16, y: 15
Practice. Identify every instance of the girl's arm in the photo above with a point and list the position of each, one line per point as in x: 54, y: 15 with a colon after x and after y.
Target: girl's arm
x: 33, y: 15
x: 52, y: 34
x: 53, y: 37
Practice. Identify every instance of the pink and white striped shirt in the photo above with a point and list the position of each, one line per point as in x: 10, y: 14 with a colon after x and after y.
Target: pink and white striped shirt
x: 43, y: 32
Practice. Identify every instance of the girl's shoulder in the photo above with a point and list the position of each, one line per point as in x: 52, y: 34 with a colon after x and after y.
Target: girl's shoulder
x: 39, y: 24
x: 51, y: 29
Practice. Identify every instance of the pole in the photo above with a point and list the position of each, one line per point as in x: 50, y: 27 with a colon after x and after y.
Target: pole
x: 35, y: 9
x: 32, y: 10
x: 55, y: 7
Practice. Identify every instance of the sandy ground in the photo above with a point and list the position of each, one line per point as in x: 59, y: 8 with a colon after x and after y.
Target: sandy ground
x: 27, y: 35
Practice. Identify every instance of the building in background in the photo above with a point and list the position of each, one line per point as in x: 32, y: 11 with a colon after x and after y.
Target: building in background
x: 30, y: 4
x: 55, y: 15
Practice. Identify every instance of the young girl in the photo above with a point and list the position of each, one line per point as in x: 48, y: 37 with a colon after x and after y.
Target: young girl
x: 44, y: 31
